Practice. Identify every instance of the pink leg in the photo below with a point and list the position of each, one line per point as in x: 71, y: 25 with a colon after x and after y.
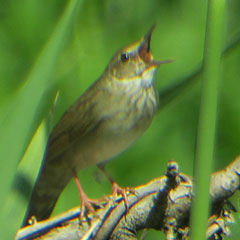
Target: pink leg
x: 86, y: 203
x: 116, y: 189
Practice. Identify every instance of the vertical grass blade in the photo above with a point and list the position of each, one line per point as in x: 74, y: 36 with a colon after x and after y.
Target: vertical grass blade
x: 21, y: 113
x: 207, y: 118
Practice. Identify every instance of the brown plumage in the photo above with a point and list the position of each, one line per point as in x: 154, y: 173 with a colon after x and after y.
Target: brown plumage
x: 102, y: 123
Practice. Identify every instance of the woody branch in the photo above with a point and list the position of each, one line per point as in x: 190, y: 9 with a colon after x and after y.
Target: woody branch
x: 163, y: 204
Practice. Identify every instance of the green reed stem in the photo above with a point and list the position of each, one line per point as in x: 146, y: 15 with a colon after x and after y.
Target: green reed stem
x: 207, y: 118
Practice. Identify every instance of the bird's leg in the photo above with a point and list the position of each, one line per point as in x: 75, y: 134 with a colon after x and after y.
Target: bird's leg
x: 86, y: 203
x: 116, y: 189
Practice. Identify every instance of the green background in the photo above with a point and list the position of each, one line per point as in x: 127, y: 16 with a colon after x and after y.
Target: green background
x: 33, y: 68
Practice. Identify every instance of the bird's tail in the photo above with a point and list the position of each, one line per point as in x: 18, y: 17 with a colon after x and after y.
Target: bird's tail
x: 50, y: 183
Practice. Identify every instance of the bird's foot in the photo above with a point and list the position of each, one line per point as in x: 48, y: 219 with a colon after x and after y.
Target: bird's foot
x: 117, y: 190
x: 88, y: 205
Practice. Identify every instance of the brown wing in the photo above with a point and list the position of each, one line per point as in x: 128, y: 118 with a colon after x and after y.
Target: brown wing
x: 76, y: 122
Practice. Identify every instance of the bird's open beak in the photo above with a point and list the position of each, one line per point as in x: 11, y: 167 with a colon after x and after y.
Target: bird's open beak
x: 145, y: 50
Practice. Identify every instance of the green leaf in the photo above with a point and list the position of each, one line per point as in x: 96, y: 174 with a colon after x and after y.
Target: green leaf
x: 23, y: 111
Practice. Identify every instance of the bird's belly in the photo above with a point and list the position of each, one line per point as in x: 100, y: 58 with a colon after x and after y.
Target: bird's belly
x: 103, y: 145
x: 117, y: 129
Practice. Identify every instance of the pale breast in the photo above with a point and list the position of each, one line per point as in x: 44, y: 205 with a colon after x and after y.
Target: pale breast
x: 119, y: 127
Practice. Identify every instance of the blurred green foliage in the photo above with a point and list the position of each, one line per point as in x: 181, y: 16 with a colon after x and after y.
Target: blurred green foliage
x: 97, y: 29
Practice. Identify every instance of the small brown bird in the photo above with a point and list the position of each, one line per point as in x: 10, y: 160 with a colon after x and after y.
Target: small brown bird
x: 111, y: 115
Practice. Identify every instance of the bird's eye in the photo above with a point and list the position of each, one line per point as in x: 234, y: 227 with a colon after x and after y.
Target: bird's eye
x: 124, y: 57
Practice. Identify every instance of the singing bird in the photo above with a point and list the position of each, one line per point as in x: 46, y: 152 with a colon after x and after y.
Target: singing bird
x: 110, y: 116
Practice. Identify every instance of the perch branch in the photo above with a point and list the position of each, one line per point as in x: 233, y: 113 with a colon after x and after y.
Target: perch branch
x: 163, y: 204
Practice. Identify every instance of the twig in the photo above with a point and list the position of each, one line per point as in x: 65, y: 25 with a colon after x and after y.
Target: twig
x: 163, y: 204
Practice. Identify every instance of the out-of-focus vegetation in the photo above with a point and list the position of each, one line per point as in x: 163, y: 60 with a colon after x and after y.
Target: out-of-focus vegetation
x: 47, y: 46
